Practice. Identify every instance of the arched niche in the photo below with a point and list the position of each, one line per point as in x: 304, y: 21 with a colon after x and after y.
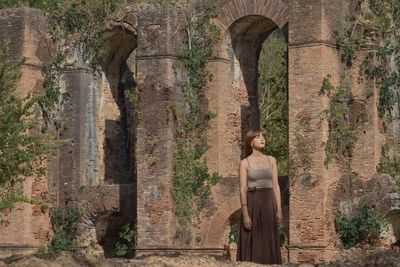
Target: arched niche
x: 116, y: 132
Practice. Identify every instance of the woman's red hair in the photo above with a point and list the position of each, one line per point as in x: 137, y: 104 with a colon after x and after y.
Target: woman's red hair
x: 248, y: 138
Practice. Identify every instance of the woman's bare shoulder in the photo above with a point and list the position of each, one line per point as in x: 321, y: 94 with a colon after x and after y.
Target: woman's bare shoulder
x: 244, y: 162
x: 271, y: 158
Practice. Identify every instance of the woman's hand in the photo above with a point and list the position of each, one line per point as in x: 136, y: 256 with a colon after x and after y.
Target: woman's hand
x: 247, y: 222
x: 279, y: 216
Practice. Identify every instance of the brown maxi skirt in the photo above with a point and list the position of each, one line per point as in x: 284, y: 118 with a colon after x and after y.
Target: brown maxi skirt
x: 261, y: 244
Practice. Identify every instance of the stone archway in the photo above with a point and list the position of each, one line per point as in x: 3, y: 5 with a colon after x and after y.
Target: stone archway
x: 217, y: 226
x: 105, y: 210
x: 232, y: 94
x: 232, y: 11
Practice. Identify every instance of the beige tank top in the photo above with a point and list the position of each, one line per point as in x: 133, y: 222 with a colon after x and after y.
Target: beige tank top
x: 259, y: 178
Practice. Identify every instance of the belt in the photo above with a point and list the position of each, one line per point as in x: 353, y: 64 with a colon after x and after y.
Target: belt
x: 252, y: 189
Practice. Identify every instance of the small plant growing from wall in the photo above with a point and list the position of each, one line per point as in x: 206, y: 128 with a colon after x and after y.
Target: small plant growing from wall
x: 125, y: 245
x: 65, y: 222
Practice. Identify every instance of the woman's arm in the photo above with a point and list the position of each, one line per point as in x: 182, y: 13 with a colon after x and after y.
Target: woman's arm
x: 275, y: 186
x: 243, y: 192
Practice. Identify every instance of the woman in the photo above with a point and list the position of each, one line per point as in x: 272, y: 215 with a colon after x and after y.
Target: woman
x: 260, y: 199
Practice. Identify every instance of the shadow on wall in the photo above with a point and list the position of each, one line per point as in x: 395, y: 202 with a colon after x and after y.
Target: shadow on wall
x: 119, y: 139
x: 120, y: 135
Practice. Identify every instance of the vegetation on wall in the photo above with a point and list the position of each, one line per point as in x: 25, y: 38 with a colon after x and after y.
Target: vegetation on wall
x: 390, y: 164
x: 125, y: 245
x: 69, y: 19
x: 370, y: 38
x: 66, y: 19
x: 342, y: 132
x: 22, y: 147
x: 54, y: 97
x: 74, y: 17
x: 191, y: 182
x: 365, y: 227
x: 65, y: 225
x: 374, y: 27
x: 272, y: 97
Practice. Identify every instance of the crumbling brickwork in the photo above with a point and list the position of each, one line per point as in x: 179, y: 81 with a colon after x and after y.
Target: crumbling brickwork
x: 145, y: 47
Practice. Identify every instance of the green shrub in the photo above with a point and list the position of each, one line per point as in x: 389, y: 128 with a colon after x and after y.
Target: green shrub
x: 272, y: 97
x: 125, y: 245
x: 233, y: 236
x: 364, y: 228
x: 65, y: 222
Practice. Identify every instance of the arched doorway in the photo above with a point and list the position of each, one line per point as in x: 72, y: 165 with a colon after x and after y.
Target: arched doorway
x: 233, y: 93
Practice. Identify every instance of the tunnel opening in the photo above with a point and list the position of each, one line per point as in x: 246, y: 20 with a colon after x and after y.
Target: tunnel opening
x: 114, y: 232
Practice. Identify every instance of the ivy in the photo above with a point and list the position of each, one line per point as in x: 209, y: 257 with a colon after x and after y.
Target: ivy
x: 342, y: 132
x: 69, y: 20
x: 52, y: 91
x: 22, y: 147
x: 375, y: 26
x: 73, y: 17
x: 191, y: 182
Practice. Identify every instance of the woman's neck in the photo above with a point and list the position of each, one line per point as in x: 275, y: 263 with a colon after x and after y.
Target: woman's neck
x: 257, y: 153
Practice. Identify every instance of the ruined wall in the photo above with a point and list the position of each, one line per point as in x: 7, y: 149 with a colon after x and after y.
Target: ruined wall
x: 95, y: 167
x: 100, y: 148
x: 312, y: 56
x: 77, y: 176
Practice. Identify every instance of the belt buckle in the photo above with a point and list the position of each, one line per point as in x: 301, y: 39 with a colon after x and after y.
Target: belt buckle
x: 251, y: 189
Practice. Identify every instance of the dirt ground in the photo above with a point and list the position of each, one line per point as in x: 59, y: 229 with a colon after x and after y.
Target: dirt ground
x: 352, y: 257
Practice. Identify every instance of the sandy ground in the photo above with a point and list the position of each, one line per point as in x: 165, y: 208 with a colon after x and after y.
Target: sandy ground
x: 352, y: 257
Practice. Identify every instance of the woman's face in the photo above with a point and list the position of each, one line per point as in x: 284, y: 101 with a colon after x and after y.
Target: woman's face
x: 258, y: 142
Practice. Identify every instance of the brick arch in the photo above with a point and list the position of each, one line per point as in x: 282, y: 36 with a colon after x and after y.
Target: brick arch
x: 231, y: 11
x: 99, y: 200
x: 95, y: 208
x: 217, y: 226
